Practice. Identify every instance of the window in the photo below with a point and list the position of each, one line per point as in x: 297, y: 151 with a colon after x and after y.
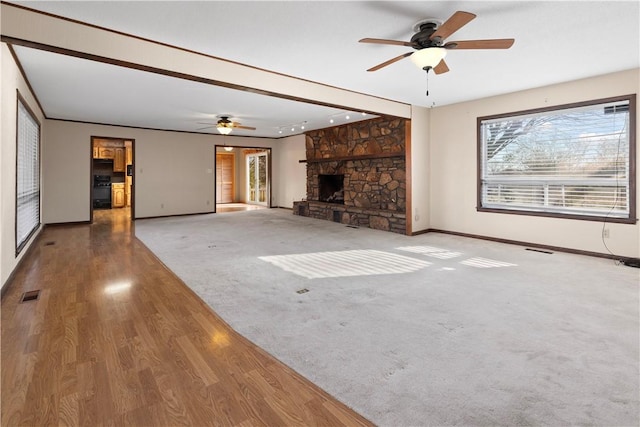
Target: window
x: 27, y: 175
x: 574, y: 161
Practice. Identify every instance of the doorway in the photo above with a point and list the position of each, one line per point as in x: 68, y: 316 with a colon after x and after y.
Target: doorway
x: 257, y: 164
x: 112, y: 181
x: 242, y: 178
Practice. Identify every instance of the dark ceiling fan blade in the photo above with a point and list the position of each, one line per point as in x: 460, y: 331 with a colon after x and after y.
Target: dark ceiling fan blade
x: 453, y: 24
x: 389, y: 62
x: 385, y: 41
x: 480, y: 44
x: 441, y: 68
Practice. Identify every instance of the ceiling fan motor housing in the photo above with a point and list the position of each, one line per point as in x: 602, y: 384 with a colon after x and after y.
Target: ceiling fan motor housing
x: 424, y: 29
x: 224, y: 121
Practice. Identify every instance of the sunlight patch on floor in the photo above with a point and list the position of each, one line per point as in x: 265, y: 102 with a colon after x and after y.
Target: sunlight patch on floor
x: 486, y: 263
x: 363, y: 262
x: 431, y: 251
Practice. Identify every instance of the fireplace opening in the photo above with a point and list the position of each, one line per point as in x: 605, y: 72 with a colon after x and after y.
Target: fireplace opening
x: 331, y: 188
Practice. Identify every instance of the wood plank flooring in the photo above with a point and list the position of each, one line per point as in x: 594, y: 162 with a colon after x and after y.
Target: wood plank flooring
x: 236, y: 207
x: 116, y: 339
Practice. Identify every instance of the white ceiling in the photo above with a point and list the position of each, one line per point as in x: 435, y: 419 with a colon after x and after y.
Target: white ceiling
x: 556, y: 41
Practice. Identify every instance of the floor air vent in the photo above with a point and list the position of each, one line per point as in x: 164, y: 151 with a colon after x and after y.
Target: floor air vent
x: 539, y: 250
x: 30, y: 296
x: 302, y: 291
x: 49, y: 243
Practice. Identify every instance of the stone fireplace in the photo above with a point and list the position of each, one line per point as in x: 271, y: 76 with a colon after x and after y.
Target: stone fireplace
x: 364, y: 164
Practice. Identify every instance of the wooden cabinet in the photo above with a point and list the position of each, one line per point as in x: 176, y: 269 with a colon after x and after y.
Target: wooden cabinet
x: 119, y: 160
x: 96, y: 151
x: 118, y: 198
x: 106, y: 153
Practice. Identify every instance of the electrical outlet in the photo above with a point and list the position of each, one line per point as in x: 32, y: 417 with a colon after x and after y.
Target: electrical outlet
x: 605, y: 233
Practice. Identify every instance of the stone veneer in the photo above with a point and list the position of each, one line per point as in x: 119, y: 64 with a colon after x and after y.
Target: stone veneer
x: 371, y: 156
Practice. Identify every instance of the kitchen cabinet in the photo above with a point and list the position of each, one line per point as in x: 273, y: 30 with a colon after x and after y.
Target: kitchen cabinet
x: 95, y: 152
x: 117, y: 195
x: 119, y: 159
x: 106, y: 153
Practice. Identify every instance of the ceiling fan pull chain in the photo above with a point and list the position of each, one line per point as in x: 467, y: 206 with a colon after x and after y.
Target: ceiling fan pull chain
x: 427, y: 82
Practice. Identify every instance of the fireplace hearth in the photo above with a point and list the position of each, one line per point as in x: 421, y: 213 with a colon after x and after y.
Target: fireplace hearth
x: 331, y: 188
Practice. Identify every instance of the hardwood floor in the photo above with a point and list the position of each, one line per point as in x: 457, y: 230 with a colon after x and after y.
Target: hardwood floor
x: 236, y: 207
x: 117, y: 339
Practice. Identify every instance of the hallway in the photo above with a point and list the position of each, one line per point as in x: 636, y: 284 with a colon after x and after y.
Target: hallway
x: 117, y: 339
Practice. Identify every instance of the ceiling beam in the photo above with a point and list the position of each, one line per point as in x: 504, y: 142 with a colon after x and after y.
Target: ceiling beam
x: 30, y: 28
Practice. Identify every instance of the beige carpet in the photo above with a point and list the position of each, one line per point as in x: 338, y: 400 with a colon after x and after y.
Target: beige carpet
x: 425, y: 330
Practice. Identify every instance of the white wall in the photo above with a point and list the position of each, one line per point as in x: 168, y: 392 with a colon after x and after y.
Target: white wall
x: 420, y: 169
x: 453, y: 168
x: 11, y: 80
x: 293, y: 174
x: 174, y: 171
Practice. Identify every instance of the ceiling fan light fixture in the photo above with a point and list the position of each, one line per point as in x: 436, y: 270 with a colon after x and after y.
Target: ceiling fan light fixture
x: 224, y: 130
x: 428, y: 57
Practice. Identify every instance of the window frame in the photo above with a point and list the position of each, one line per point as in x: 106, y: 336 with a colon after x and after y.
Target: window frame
x: 630, y: 219
x: 21, y: 101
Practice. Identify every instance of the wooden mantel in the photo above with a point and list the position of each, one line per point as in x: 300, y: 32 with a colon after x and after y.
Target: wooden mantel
x: 360, y: 157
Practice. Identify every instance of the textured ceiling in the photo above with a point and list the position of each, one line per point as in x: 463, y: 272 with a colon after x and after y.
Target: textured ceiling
x: 318, y: 41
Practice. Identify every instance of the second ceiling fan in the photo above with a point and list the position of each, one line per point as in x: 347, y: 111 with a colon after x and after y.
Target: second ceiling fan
x: 429, y: 45
x: 225, y: 126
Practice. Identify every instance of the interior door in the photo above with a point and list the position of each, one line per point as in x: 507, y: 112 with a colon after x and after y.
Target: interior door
x: 258, y: 178
x: 224, y: 177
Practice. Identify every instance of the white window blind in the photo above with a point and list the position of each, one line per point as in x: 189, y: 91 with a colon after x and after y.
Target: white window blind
x: 571, y: 161
x: 27, y: 176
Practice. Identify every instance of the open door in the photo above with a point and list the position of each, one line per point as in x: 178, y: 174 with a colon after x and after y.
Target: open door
x: 258, y: 178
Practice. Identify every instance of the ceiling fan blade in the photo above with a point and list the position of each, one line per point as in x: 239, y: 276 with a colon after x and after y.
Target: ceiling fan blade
x: 244, y: 127
x: 480, y: 44
x: 385, y: 41
x: 453, y: 24
x: 391, y: 61
x: 206, y: 127
x: 441, y: 67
